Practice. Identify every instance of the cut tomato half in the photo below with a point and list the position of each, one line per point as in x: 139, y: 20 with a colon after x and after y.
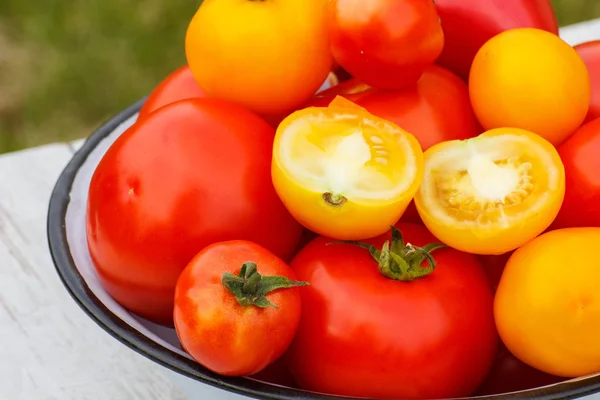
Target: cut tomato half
x: 343, y: 172
x: 492, y: 193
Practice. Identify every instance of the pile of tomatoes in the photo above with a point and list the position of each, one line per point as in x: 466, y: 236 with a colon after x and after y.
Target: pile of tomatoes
x: 424, y: 227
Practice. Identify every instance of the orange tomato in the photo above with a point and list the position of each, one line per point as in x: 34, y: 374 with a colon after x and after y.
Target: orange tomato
x: 492, y: 193
x: 547, y: 306
x: 269, y: 56
x: 344, y: 173
x: 531, y: 79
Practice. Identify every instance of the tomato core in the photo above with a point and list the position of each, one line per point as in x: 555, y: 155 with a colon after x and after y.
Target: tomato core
x: 492, y: 193
x: 340, y: 158
x: 487, y: 181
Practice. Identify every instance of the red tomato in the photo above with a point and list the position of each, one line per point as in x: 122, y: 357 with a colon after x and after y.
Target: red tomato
x: 186, y: 176
x: 579, y: 154
x: 237, y: 307
x: 590, y: 53
x: 436, y: 109
x: 468, y: 25
x: 366, y: 335
x: 178, y: 85
x: 385, y: 43
x: 509, y: 374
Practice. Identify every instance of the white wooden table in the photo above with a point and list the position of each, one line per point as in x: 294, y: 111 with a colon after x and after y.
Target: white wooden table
x: 49, y: 349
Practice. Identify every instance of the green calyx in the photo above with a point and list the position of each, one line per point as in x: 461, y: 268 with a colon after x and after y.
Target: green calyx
x: 400, y: 261
x: 250, y: 287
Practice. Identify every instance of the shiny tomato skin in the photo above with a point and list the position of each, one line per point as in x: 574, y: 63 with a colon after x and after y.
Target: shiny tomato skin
x: 269, y: 56
x: 509, y: 374
x: 178, y: 85
x: 218, y: 332
x: 579, y: 154
x: 547, y: 318
x: 186, y: 176
x: 590, y: 54
x: 365, y: 335
x: 468, y: 25
x: 385, y: 43
x: 436, y: 109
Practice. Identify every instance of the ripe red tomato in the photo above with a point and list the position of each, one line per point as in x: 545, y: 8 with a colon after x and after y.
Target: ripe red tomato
x: 468, y: 25
x: 178, y: 85
x: 436, y: 109
x: 509, y: 374
x: 186, y: 176
x: 385, y: 43
x: 237, y: 307
x: 366, y: 335
x: 590, y: 53
x: 579, y: 154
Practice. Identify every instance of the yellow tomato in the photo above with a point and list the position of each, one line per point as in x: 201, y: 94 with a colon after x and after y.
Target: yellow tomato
x: 344, y: 173
x: 547, y: 306
x: 269, y: 56
x: 492, y: 193
x: 531, y: 79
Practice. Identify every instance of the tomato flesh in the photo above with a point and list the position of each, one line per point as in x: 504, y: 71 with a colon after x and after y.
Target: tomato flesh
x: 492, y: 193
x: 344, y: 173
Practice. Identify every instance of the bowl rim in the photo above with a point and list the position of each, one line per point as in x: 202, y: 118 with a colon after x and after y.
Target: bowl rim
x: 130, y: 337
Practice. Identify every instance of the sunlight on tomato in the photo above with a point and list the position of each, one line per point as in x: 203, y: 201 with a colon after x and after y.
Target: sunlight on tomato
x: 343, y: 172
x: 492, y: 193
x: 237, y: 49
x: 530, y: 79
x: 547, y: 306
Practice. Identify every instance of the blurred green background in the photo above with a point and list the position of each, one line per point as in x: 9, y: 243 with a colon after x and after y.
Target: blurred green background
x: 68, y: 65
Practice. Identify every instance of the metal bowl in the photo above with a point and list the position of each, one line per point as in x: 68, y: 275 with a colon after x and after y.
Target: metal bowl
x: 67, y: 241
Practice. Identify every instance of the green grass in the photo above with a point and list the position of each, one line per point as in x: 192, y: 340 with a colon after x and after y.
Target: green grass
x: 67, y: 66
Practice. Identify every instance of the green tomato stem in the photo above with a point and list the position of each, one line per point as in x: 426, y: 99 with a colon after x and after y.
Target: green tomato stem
x: 250, y: 287
x: 399, y: 261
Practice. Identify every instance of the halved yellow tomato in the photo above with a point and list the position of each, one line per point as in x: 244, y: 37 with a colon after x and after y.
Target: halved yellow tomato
x: 344, y: 173
x: 492, y: 193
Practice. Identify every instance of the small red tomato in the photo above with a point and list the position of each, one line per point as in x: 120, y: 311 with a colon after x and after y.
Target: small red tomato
x: 580, y: 155
x: 509, y: 374
x: 185, y: 176
x: 237, y: 307
x: 468, y: 25
x: 436, y: 109
x: 385, y: 43
x: 590, y: 53
x: 381, y: 322
x: 178, y: 85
